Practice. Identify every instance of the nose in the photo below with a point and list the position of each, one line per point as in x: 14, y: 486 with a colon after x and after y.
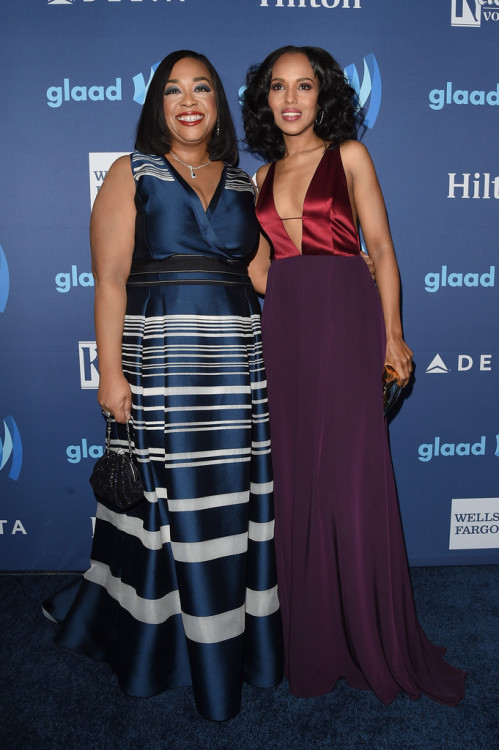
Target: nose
x: 290, y: 96
x: 189, y: 99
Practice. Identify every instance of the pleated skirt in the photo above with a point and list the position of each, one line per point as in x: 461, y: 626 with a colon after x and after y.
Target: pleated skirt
x: 182, y: 588
x: 344, y: 587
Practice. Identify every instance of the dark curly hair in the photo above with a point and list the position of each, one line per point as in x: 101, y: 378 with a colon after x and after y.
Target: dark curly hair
x: 342, y: 116
x: 153, y: 136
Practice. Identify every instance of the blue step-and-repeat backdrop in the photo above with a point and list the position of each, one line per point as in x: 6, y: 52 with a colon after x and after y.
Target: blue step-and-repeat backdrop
x: 73, y: 78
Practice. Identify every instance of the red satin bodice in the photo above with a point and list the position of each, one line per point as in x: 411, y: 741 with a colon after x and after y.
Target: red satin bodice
x: 327, y: 222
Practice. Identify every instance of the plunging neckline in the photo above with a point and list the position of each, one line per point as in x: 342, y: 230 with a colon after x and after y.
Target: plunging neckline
x: 210, y: 209
x: 299, y: 250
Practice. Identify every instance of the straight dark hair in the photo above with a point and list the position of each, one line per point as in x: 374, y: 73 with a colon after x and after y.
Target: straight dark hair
x: 341, y: 114
x: 153, y: 136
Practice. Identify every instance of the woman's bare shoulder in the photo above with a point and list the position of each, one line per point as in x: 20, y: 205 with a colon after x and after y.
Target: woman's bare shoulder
x: 355, y: 157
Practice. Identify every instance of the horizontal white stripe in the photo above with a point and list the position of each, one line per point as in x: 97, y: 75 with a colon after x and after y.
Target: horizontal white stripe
x: 229, y: 426
x: 261, y: 488
x: 197, y: 464
x: 208, y: 454
x: 150, y: 611
x: 135, y: 527
x: 214, y: 423
x: 261, y: 532
x: 257, y: 386
x: 262, y: 603
x: 209, y: 501
x: 190, y: 391
x: 212, y: 549
x: 214, y: 407
x: 214, y: 318
x: 215, y: 628
x: 261, y: 444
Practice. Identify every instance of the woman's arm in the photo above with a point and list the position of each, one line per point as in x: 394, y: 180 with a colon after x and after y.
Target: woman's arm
x: 112, y: 231
x: 369, y: 206
x: 258, y: 269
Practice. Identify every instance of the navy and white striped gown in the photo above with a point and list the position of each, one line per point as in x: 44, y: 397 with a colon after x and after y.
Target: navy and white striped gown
x: 182, y: 588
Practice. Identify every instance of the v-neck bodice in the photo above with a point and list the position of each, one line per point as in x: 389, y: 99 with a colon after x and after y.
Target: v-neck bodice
x: 328, y: 227
x: 171, y: 218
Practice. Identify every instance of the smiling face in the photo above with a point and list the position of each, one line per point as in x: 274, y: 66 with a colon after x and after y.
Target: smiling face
x: 189, y: 103
x: 293, y: 94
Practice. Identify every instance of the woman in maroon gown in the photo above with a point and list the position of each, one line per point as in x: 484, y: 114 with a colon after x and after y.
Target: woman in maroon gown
x: 344, y: 586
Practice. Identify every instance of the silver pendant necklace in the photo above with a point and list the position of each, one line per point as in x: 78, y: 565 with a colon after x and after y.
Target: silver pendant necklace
x: 189, y: 166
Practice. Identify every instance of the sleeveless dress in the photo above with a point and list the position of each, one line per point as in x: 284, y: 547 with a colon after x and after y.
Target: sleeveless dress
x: 344, y: 587
x: 182, y: 588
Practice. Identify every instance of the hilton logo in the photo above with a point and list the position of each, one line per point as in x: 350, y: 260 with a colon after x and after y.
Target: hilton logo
x: 482, y: 186
x: 310, y: 4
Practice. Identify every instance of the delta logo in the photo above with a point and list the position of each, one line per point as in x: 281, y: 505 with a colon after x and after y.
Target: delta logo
x: 121, y: 2
x: 464, y: 363
x: 471, y: 13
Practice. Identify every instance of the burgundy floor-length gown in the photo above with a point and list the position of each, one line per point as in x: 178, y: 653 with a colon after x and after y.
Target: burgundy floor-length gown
x: 346, y: 598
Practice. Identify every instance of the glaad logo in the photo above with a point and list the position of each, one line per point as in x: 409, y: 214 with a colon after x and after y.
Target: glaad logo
x: 11, y: 446
x: 65, y: 281
x: 481, y: 185
x: 371, y: 87
x: 309, y: 4
x: 75, y: 453
x: 474, y: 523
x: 465, y: 363
x: 98, y: 165
x: 4, y: 281
x: 440, y: 279
x: 440, y: 97
x: 89, y: 374
x: 140, y: 85
x: 469, y: 12
x: 428, y: 451
x: 56, y: 95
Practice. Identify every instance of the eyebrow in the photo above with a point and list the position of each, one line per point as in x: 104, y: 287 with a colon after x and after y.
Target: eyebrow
x: 194, y: 80
x: 305, y: 78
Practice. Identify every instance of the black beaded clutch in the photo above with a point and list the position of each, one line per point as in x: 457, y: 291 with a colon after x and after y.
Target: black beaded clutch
x: 391, y: 389
x: 116, y: 479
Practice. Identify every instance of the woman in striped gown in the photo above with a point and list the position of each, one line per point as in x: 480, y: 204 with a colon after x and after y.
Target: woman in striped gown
x: 181, y: 589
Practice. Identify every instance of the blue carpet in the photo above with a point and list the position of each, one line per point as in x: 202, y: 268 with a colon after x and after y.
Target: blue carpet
x: 53, y: 699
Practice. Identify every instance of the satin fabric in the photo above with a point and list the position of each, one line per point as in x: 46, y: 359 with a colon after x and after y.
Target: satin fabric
x: 182, y: 588
x: 344, y: 587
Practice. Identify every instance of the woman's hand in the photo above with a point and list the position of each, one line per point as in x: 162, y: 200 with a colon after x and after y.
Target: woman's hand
x: 399, y: 356
x: 114, y: 396
x: 370, y: 264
